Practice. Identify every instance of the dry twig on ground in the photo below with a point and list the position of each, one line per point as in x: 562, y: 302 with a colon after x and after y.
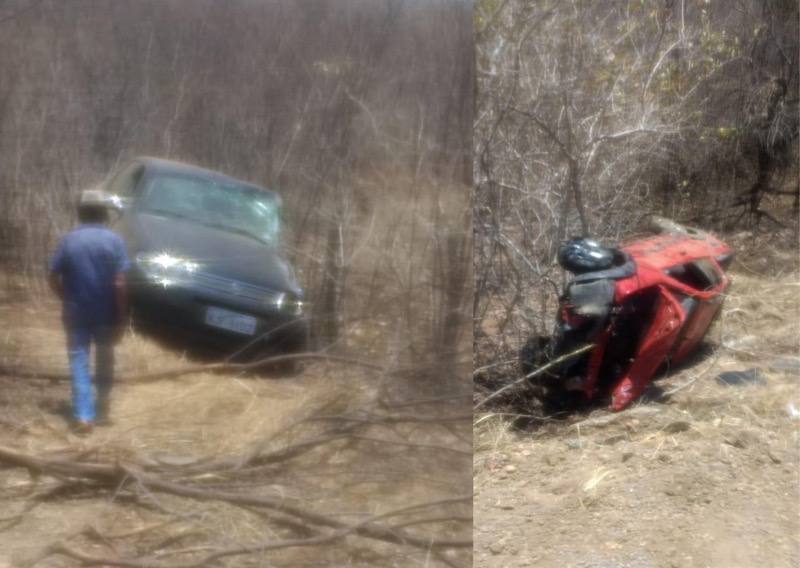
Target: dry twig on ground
x: 427, y: 526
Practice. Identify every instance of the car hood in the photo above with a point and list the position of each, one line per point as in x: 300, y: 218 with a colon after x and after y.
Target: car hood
x: 216, y: 251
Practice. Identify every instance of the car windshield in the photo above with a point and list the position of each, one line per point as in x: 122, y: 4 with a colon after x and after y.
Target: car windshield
x: 220, y: 204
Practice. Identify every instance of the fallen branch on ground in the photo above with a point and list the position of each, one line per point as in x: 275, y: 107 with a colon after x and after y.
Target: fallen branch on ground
x: 126, y: 476
x: 535, y: 373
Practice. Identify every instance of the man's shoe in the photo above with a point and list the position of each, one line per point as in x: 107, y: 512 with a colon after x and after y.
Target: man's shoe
x: 102, y: 409
x: 83, y: 427
x: 103, y: 421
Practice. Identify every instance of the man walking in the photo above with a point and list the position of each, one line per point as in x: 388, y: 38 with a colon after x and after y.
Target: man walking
x: 87, y: 272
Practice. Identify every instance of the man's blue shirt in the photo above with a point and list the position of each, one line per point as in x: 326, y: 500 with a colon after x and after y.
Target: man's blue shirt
x: 88, y: 260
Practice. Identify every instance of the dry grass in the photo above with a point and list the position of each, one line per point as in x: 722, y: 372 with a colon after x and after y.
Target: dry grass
x: 406, y: 451
x: 493, y: 434
x: 760, y: 317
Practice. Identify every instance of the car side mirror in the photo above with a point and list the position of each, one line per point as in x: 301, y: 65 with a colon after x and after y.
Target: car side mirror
x: 117, y: 203
x: 116, y: 207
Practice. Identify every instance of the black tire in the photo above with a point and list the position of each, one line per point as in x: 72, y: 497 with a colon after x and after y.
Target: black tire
x: 664, y: 225
x: 289, y: 367
x: 579, y: 256
x: 534, y: 354
x: 557, y: 404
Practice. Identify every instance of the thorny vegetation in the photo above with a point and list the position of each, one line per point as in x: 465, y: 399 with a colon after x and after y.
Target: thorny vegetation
x: 359, y: 116
x: 590, y: 118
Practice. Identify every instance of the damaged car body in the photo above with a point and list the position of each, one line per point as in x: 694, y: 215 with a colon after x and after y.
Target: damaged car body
x: 205, y: 256
x: 638, y: 306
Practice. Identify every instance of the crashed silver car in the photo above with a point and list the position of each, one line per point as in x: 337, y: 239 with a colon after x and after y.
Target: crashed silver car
x: 205, y: 255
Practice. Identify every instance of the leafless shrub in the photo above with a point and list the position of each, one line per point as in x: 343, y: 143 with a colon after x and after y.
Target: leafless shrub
x: 338, y: 110
x: 589, y: 119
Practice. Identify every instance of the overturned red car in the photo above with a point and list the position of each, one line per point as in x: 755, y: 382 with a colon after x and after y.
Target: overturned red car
x: 639, y: 306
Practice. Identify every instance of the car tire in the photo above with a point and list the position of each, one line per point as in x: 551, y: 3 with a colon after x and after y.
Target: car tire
x: 293, y: 346
x: 534, y: 353
x: 580, y: 256
x: 664, y: 225
x: 289, y: 368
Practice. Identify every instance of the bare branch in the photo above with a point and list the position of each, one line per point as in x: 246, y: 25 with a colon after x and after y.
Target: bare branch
x: 535, y: 373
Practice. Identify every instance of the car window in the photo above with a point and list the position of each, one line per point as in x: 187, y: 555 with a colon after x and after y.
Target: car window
x: 700, y: 274
x: 223, y: 205
x: 125, y: 182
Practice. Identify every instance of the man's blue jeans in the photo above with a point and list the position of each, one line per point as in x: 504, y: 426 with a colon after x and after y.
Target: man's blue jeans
x: 79, y: 339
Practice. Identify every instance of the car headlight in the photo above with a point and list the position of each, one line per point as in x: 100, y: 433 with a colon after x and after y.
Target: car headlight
x: 289, y: 303
x: 165, y: 269
x: 296, y: 306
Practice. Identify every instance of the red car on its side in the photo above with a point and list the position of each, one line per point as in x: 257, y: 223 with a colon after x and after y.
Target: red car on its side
x: 644, y: 304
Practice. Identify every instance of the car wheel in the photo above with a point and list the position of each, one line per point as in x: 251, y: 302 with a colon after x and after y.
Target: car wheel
x: 560, y: 402
x: 579, y: 256
x: 664, y: 225
x: 289, y: 368
x: 286, y: 346
x: 533, y: 354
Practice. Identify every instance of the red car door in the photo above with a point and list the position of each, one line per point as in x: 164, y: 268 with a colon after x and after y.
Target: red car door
x: 664, y: 329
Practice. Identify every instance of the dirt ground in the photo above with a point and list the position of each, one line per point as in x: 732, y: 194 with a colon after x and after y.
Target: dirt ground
x: 705, y: 477
x: 353, y: 446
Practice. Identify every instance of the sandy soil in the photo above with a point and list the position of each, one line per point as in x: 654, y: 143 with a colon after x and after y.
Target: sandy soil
x: 198, y: 418
x: 707, y: 477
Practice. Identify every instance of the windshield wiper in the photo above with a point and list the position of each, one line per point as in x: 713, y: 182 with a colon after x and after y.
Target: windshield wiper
x: 236, y: 230
x: 167, y: 213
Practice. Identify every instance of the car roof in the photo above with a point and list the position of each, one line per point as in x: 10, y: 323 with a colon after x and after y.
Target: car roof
x: 667, y: 250
x: 161, y: 165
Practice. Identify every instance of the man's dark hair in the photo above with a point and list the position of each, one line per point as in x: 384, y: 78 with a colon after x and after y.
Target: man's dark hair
x: 92, y: 214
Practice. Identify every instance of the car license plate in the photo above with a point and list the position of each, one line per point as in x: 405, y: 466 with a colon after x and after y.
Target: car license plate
x: 232, y: 321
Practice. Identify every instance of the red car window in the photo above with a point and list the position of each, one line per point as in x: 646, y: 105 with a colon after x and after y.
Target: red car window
x: 700, y: 274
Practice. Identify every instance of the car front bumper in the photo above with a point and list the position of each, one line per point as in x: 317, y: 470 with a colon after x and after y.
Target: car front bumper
x: 218, y: 316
